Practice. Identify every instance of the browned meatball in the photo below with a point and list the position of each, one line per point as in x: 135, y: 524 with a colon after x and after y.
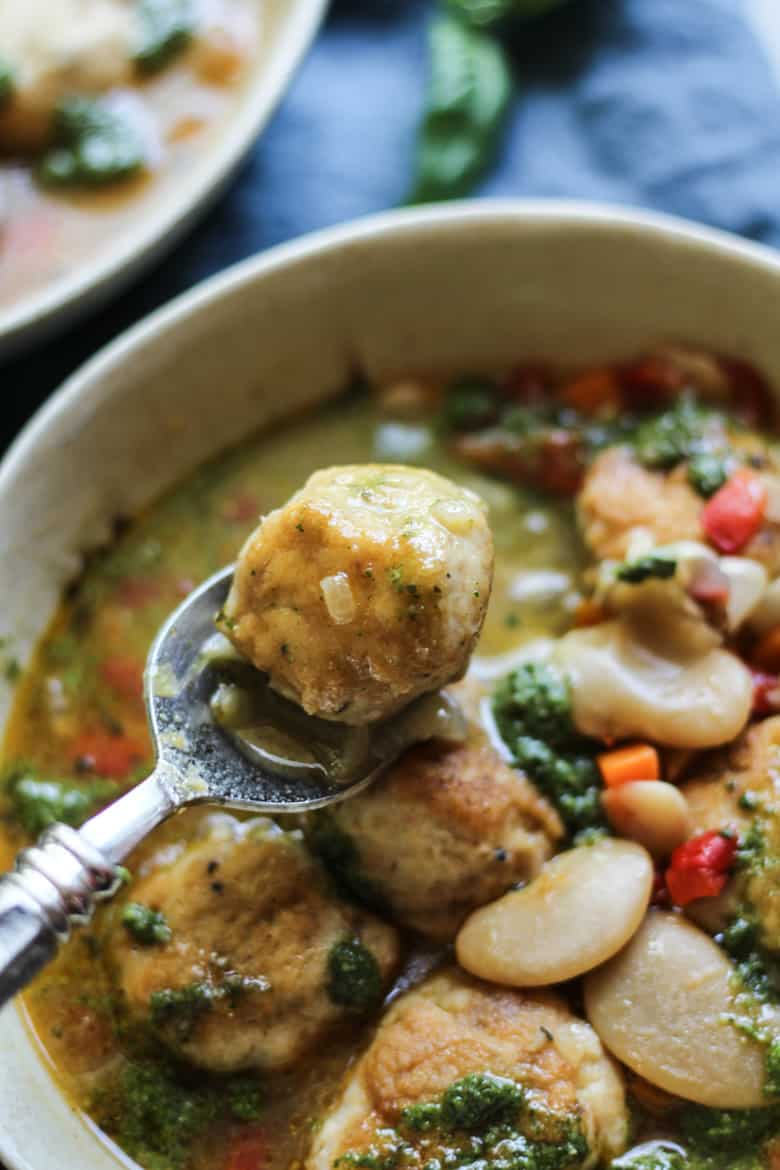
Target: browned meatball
x: 367, y: 589
x: 530, y: 1047
x: 447, y: 829
x: 246, y: 977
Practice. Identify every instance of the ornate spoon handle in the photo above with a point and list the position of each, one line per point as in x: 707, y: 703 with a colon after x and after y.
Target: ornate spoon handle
x: 57, y: 882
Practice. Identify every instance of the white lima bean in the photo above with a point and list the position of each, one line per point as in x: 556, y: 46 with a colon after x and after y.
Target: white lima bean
x: 662, y: 1007
x: 650, y: 812
x: 582, y: 908
x: 628, y: 683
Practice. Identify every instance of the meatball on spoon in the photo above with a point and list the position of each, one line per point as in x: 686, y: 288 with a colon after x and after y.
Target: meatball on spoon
x: 205, y: 755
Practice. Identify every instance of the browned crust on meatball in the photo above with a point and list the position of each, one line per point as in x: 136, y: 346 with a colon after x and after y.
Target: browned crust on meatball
x: 447, y: 829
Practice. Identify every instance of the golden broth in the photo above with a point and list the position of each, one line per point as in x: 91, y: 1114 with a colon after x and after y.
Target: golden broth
x: 80, y: 707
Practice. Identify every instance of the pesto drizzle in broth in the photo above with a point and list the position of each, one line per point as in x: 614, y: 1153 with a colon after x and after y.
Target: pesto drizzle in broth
x: 80, y: 713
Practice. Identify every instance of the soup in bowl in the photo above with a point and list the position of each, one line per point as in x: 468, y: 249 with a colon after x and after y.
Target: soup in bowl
x: 545, y: 938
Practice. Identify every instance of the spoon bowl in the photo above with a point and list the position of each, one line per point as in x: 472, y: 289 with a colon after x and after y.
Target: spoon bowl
x: 56, y: 883
x: 200, y: 760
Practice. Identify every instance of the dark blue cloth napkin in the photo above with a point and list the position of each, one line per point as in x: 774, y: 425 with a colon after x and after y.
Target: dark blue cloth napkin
x: 669, y: 104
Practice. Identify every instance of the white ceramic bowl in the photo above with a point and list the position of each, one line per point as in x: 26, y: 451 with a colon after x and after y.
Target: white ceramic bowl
x: 452, y: 287
x: 287, y: 29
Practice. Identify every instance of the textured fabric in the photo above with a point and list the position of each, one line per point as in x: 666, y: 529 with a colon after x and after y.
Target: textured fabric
x: 669, y: 104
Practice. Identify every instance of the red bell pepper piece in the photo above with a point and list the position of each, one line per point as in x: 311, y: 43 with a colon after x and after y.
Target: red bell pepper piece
x: 112, y: 756
x: 766, y: 692
x: 248, y: 1151
x: 650, y: 382
x: 733, y: 516
x: 700, y: 867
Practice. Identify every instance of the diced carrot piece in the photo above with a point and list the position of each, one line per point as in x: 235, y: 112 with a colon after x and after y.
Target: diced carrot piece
x: 637, y: 761
x: 733, y: 516
x: 113, y: 756
x: 766, y: 652
x: 588, y: 613
x: 125, y: 676
x: 592, y: 391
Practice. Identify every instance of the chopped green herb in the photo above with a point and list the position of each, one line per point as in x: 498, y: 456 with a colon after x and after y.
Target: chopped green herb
x: 758, y: 971
x: 423, y: 1117
x: 354, y: 978
x: 532, y: 708
x: 486, y: 13
x: 147, y: 926
x: 341, y: 856
x: 396, y: 575
x: 714, y: 1131
x: 92, y: 144
x: 468, y: 95
x: 481, y: 1120
x: 751, y: 853
x: 480, y: 1099
x: 6, y: 82
x: 156, y: 1110
x: 707, y: 472
x: 642, y: 569
x: 471, y: 403
x: 772, y: 1064
x: 181, y: 1007
x: 37, y: 803
x: 155, y: 1117
x: 13, y: 671
x: 534, y: 700
x: 245, y: 1099
x: 672, y: 436
x: 165, y: 29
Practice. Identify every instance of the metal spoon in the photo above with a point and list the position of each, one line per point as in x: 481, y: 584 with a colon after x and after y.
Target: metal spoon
x: 56, y: 883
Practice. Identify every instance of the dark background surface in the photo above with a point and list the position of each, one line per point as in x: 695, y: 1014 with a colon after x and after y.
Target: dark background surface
x: 669, y: 104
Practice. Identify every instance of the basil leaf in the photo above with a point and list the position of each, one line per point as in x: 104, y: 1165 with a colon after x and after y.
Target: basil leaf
x: 468, y: 95
x: 485, y: 13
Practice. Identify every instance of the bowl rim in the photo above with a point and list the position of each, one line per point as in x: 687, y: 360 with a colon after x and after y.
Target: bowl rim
x: 574, y: 214
x: 65, y: 298
x: 609, y: 223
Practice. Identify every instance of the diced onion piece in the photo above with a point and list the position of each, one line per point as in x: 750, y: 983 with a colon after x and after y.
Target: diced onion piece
x: 747, y: 584
x: 337, y: 595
